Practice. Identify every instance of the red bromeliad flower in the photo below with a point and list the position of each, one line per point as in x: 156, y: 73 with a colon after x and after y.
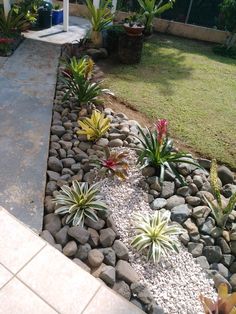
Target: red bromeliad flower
x: 109, y: 163
x: 161, y: 127
x: 6, y: 40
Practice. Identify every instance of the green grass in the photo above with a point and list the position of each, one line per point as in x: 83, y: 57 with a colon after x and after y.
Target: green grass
x: 184, y: 81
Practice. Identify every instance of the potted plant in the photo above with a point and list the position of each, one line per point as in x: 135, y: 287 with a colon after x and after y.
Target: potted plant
x: 100, y: 18
x: 134, y: 25
x: 57, y: 14
x: 150, y: 9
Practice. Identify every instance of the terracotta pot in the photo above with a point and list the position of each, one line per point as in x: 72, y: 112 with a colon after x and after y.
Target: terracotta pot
x: 133, y: 31
x: 96, y: 38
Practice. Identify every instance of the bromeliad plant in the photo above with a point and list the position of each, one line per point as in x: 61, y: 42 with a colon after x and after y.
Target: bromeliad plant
x: 114, y: 164
x: 225, y: 303
x: 157, y: 151
x: 150, y: 9
x: 219, y: 210
x: 95, y: 126
x: 79, y: 68
x: 155, y: 235
x: 13, y: 24
x: 78, y: 202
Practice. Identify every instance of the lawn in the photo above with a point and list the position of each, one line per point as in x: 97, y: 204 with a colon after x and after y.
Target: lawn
x: 184, y: 81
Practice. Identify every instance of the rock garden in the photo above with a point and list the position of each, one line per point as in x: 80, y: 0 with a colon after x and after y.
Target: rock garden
x: 155, y: 224
x: 152, y: 223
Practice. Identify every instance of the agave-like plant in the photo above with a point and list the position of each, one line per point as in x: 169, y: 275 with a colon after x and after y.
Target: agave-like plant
x: 219, y: 211
x: 114, y: 163
x: 95, y: 126
x: 156, y: 235
x: 101, y: 17
x: 157, y: 151
x: 225, y: 303
x: 78, y: 202
x: 150, y: 9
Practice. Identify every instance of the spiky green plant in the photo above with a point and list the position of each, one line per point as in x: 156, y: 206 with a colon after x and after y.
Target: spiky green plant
x: 13, y: 23
x: 100, y: 18
x: 219, y: 211
x: 157, y: 151
x: 82, y: 67
x: 78, y: 202
x: 95, y: 126
x: 155, y: 235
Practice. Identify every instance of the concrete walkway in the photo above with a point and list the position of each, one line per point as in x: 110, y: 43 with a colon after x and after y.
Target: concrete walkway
x: 35, y: 278
x: 27, y: 86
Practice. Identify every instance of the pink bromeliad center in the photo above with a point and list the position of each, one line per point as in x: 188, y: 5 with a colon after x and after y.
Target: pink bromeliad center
x: 109, y: 163
x: 161, y: 127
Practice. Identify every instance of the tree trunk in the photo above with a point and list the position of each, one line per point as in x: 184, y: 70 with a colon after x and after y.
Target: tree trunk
x: 231, y: 40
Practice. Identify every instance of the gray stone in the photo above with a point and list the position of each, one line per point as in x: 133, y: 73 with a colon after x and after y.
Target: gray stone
x: 79, y: 234
x: 155, y: 309
x: 70, y: 249
x: 221, y: 269
x: 82, y: 252
x: 201, y: 212
x: 121, y: 250
x: 228, y: 190
x: 49, y: 205
x: 168, y: 189
x: 55, y: 164
x: 94, y: 237
x: 216, y: 232
x: 197, y: 179
x: 46, y: 235
x: 185, y: 169
x: 205, y: 163
x: 183, y: 191
x: 191, y: 227
x: 207, y: 240
x: 212, y: 253
x: 109, y: 256
x: 51, y: 187
x: 108, y: 275
x: 233, y: 268
x: 126, y: 272
x: 205, y: 194
x: 123, y: 289
x: 207, y: 227
x: 184, y: 238
x: 61, y: 236
x: 154, y: 183
x: 137, y: 303
x: 95, y: 258
x: 226, y: 176
x: 58, y: 247
x: 52, y: 223
x: 68, y: 162
x: 82, y: 265
x: 97, y: 225
x: 58, y: 130
x: 116, y: 143
x: 158, y: 203
x: 202, y: 261
x: 233, y: 247
x: 173, y: 201
x: 53, y: 176
x: 148, y: 171
x: 193, y: 200
x: 218, y: 279
x: 180, y: 213
x: 232, y: 281
x: 195, y: 248
x: 102, y: 142
x: 107, y: 237
x: 227, y: 259
x: 111, y: 223
x: 223, y: 245
x: 65, y: 144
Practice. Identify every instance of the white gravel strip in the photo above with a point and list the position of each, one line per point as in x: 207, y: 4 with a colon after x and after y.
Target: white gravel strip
x: 177, y: 281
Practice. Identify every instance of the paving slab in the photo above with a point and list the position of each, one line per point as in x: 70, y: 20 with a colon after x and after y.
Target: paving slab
x: 35, y: 278
x: 27, y: 86
x: 78, y: 28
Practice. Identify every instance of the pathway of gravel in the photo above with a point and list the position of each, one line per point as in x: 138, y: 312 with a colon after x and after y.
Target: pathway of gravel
x: 177, y: 281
